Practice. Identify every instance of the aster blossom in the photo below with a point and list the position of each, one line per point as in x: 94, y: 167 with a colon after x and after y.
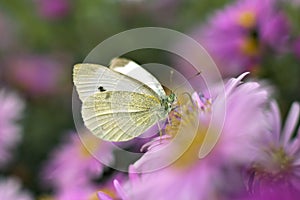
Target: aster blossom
x: 73, y: 168
x: 53, y: 10
x: 11, y: 107
x: 37, y: 75
x: 275, y: 171
x: 238, y: 36
x: 245, y: 102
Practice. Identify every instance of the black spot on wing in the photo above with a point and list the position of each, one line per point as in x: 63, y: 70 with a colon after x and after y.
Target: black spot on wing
x: 101, y: 89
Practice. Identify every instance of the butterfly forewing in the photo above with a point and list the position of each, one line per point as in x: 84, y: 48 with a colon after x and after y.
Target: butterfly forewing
x: 135, y: 71
x: 120, y: 115
x: 91, y: 78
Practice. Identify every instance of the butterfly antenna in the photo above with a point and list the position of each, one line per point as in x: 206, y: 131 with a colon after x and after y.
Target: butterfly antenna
x: 171, y: 77
x: 169, y: 121
x: 186, y: 80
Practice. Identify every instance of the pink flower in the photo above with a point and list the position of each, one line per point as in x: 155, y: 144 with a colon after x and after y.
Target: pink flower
x: 187, y: 176
x: 37, y: 75
x: 53, y: 9
x: 238, y: 36
x: 11, y: 107
x: 10, y: 189
x: 275, y: 170
x: 73, y: 166
x: 297, y: 48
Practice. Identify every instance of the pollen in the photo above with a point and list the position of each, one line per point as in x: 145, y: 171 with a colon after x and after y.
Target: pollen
x: 277, y: 169
x: 190, y: 156
x: 282, y: 159
x: 183, y: 121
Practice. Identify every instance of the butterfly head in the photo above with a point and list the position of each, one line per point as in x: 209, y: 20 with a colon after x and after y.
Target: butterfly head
x: 168, y: 102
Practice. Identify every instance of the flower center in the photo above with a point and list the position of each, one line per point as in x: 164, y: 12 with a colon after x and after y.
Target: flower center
x: 185, y: 121
x: 274, y: 170
x: 247, y: 19
x: 281, y: 159
x: 190, y: 155
x: 250, y: 46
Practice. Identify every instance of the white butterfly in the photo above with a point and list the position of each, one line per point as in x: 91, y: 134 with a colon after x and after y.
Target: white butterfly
x: 120, y: 102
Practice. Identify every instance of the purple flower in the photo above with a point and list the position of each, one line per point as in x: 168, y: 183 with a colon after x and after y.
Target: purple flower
x: 73, y: 166
x: 35, y: 74
x: 10, y: 189
x: 238, y: 36
x: 11, y: 107
x: 53, y: 9
x: 297, y: 48
x: 191, y: 177
x: 275, y: 170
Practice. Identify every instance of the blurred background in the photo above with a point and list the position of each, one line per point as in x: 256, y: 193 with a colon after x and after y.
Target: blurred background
x: 41, y: 40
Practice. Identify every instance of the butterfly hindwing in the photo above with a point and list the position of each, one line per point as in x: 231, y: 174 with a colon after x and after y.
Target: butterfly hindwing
x: 119, y: 115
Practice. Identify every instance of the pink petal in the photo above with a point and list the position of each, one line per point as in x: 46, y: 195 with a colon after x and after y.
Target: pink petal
x: 103, y: 196
x: 120, y: 190
x: 276, y: 120
x: 291, y: 123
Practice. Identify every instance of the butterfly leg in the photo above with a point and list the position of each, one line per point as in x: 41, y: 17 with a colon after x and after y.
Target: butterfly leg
x: 160, y: 131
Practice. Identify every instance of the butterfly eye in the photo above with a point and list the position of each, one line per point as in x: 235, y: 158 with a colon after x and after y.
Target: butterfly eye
x: 171, y: 98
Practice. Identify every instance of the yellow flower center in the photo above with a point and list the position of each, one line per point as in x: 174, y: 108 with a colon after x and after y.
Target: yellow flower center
x: 281, y: 159
x: 277, y: 168
x: 250, y: 46
x: 190, y: 155
x: 247, y: 19
x: 185, y: 122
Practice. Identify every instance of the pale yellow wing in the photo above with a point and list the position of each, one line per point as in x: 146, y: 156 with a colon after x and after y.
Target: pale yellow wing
x: 135, y: 71
x: 120, y: 115
x: 91, y: 78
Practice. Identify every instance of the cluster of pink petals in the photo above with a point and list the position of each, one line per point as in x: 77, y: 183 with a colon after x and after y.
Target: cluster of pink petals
x: 11, y: 107
x: 276, y: 167
x: 37, y: 75
x: 72, y: 168
x: 297, y: 48
x: 11, y: 189
x: 53, y: 9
